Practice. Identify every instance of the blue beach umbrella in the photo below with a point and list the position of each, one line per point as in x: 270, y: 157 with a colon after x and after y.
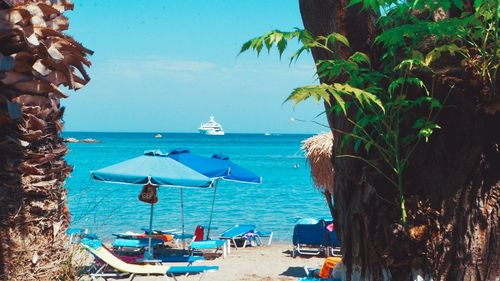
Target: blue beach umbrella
x: 237, y: 173
x: 154, y: 168
x: 216, y: 167
x: 209, y: 167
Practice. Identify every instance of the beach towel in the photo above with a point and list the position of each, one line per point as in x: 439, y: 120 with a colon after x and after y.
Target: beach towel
x: 199, y: 233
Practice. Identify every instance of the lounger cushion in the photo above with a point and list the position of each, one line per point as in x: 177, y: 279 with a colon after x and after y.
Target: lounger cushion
x: 190, y: 269
x: 135, y: 243
x: 237, y: 230
x: 188, y: 259
x: 208, y: 244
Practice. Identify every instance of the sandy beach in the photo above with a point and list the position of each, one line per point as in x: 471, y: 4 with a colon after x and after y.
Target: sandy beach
x: 264, y: 263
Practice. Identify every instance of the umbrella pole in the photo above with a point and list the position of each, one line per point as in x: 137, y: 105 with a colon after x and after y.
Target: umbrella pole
x: 182, y: 221
x: 150, y: 254
x: 212, y: 211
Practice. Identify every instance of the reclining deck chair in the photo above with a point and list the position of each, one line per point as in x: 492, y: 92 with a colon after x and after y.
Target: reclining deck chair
x: 333, y: 241
x: 177, y: 236
x: 120, y: 267
x: 310, y: 239
x: 243, y: 232
x: 198, y: 245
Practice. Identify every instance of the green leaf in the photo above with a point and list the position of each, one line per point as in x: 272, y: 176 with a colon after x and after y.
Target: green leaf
x: 281, y: 46
x: 478, y: 3
x: 340, y: 101
x: 341, y: 38
x: 416, y: 55
x: 295, y: 56
x: 359, y: 57
x: 433, y: 102
x: 362, y: 96
x: 368, y: 145
x: 357, y: 144
x: 459, y: 4
x: 317, y: 93
x: 435, y: 54
x: 245, y: 46
x: 410, y: 65
x: 395, y: 84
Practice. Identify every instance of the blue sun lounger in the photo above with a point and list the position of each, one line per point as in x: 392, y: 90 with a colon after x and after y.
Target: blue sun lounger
x: 182, y: 270
x: 309, y: 239
x: 177, y: 234
x: 216, y: 245
x: 135, y: 243
x: 114, y: 267
x: 243, y: 232
x: 265, y: 234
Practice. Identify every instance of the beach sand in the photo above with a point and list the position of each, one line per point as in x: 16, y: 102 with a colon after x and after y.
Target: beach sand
x: 264, y: 263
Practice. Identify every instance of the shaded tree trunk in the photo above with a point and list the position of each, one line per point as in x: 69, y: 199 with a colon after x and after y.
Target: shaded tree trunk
x: 35, y: 60
x: 453, y: 182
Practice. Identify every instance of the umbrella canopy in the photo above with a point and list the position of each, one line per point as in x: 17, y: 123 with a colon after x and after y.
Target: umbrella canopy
x: 209, y: 167
x: 237, y: 173
x: 154, y: 167
x: 218, y: 166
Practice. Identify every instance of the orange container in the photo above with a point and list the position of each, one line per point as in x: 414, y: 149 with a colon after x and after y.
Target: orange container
x: 328, y: 265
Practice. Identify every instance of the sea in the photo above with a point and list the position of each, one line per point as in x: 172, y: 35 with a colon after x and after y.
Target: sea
x: 286, y: 194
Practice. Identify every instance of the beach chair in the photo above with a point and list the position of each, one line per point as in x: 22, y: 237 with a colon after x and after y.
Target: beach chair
x: 333, y: 242
x: 265, y: 234
x: 198, y: 245
x: 120, y: 268
x: 144, y: 235
x: 215, y: 245
x: 310, y: 239
x: 134, y: 246
x: 240, y: 232
x: 176, y: 234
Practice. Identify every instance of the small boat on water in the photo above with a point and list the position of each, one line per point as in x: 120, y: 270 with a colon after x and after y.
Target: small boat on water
x: 211, y: 128
x: 158, y: 136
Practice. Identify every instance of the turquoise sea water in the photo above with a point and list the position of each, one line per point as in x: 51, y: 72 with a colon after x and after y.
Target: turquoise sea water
x: 285, y: 194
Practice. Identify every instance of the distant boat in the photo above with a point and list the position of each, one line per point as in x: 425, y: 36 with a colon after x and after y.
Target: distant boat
x: 158, y: 136
x: 267, y: 134
x: 211, y: 128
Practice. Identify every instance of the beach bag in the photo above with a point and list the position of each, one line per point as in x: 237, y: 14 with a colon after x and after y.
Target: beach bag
x: 148, y: 194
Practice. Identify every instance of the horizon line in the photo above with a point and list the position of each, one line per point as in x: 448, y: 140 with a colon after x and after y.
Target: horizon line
x: 159, y: 132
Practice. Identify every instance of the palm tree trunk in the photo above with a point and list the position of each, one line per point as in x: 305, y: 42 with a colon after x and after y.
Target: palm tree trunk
x: 453, y: 190
x: 33, y: 212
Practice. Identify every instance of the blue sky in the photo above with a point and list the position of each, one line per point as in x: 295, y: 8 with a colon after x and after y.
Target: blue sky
x: 166, y: 66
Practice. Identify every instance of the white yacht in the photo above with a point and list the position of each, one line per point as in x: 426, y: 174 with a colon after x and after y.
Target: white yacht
x: 211, y: 128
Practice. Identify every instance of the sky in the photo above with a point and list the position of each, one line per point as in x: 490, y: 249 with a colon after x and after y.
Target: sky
x: 167, y: 65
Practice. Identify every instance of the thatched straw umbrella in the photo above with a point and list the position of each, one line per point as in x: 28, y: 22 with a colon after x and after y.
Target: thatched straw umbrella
x: 318, y: 150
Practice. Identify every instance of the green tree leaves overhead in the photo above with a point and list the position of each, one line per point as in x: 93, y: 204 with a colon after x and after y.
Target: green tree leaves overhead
x: 339, y: 92
x: 280, y: 39
x: 390, y: 108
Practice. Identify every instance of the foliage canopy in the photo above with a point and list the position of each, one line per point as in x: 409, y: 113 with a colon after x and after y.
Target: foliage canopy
x: 390, y: 99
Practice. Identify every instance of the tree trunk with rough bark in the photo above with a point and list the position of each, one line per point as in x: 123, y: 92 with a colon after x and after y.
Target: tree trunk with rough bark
x: 453, y: 182
x: 36, y: 58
